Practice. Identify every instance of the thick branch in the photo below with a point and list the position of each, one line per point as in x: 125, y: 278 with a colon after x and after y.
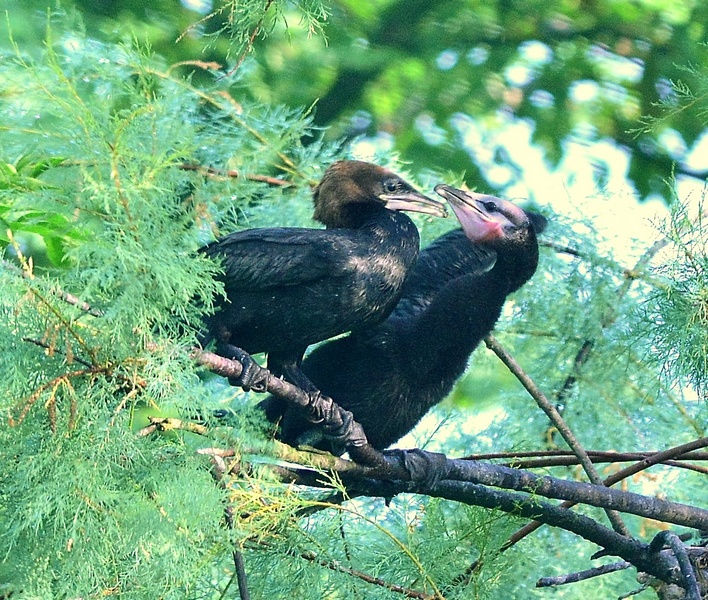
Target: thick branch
x: 662, y: 566
x: 586, y: 493
x: 495, y: 475
x: 462, y: 471
x: 657, y: 458
x: 359, y: 481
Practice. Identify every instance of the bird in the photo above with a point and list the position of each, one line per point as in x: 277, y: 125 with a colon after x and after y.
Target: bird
x: 289, y: 287
x: 391, y: 374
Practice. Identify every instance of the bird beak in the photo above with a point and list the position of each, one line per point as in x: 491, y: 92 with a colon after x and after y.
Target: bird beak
x: 414, y: 202
x: 470, y: 212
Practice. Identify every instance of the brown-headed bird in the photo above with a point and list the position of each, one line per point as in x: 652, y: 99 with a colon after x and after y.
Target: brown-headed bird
x: 391, y: 374
x: 287, y: 287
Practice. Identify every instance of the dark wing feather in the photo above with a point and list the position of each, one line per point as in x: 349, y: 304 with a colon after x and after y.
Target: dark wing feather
x: 262, y: 259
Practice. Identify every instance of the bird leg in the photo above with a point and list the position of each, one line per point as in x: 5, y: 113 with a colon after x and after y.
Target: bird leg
x: 253, y: 376
x: 290, y: 371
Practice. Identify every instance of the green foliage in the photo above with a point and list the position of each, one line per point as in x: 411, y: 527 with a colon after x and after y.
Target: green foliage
x: 413, y: 74
x: 679, y: 308
x: 580, y: 73
x: 96, y: 510
x: 98, y: 144
x: 116, y: 164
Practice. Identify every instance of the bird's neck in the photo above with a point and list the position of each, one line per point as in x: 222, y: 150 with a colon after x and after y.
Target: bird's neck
x: 442, y: 336
x: 518, y: 262
x: 464, y: 310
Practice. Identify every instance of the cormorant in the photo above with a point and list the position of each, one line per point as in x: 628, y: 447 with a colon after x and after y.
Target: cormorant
x: 287, y: 288
x: 391, y: 374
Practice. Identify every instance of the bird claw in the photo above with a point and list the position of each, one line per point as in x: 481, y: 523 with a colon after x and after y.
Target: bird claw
x: 253, y: 376
x: 425, y: 468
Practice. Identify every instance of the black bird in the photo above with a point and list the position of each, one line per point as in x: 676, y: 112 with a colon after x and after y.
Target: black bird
x: 391, y: 374
x: 287, y: 288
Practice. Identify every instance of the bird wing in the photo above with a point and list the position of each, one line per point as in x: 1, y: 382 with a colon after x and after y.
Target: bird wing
x: 262, y: 259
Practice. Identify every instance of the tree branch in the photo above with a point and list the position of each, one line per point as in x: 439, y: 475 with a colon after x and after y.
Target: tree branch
x: 557, y: 420
x: 462, y: 484
x: 562, y: 458
x: 472, y: 471
x: 582, y: 575
x: 319, y: 409
x: 213, y: 172
x: 655, y: 459
x: 661, y: 566
x: 670, y: 539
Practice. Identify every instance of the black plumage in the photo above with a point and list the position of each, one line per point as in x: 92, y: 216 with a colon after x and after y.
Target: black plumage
x: 287, y: 288
x: 390, y: 375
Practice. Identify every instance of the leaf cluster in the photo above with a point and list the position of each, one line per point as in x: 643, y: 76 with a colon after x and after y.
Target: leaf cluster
x: 678, y: 310
x: 101, y: 206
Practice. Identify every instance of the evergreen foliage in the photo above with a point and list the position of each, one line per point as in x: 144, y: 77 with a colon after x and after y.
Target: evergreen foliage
x: 114, y: 168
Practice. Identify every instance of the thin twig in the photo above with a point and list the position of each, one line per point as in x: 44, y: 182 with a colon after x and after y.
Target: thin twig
x: 657, y: 458
x: 597, y: 455
x: 233, y: 173
x: 51, y: 348
x: 32, y: 398
x: 106, y: 369
x: 333, y: 565
x: 218, y: 472
x: 557, y: 420
x: 27, y: 273
x: 251, y: 40
x: 540, y: 459
x: 171, y: 424
x: 583, y: 575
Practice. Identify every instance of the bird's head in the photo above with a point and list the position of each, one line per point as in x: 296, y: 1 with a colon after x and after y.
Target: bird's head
x: 501, y: 225
x: 490, y: 219
x: 351, y: 188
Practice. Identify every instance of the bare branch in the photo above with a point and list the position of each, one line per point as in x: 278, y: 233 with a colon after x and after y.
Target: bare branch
x: 669, y: 538
x: 583, y: 575
x: 557, y: 420
x: 657, y: 458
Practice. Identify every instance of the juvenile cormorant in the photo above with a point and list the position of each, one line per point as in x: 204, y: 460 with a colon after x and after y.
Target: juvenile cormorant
x: 287, y: 288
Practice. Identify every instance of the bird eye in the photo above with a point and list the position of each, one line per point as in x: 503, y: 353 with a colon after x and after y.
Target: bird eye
x: 490, y: 206
x: 390, y: 185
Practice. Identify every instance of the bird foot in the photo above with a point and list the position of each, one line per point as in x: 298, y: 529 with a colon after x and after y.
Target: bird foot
x: 425, y: 468
x: 253, y: 376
